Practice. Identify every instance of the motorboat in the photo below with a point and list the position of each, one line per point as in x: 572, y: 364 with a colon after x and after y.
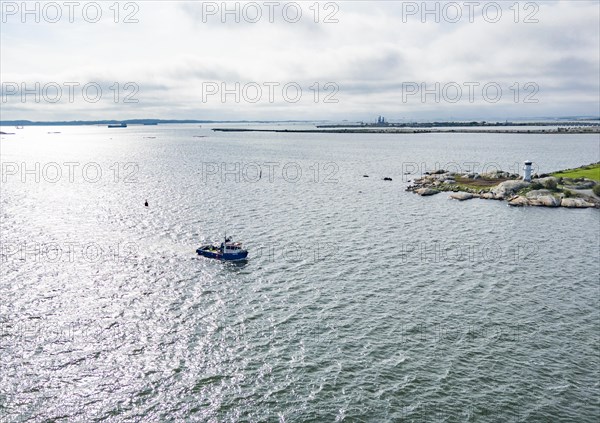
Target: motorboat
x: 227, y: 251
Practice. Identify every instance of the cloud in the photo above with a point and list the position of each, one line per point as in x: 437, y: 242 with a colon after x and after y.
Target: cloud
x: 373, y: 50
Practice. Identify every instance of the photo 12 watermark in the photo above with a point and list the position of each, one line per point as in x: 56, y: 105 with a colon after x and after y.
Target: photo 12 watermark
x: 69, y: 172
x: 295, y: 252
x: 445, y: 332
x: 451, y: 252
x: 449, y: 412
x: 271, y: 92
x: 52, y: 12
x: 253, y: 12
x: 67, y: 252
x: 320, y: 332
x: 468, y: 169
x: 453, y: 12
x: 455, y: 92
x: 269, y: 172
x: 69, y: 92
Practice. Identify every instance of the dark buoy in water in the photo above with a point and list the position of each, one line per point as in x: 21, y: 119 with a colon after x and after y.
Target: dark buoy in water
x: 365, y: 176
x: 146, y: 203
x: 387, y: 179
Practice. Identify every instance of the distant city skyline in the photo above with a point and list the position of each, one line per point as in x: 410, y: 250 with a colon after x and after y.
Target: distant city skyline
x: 192, y: 60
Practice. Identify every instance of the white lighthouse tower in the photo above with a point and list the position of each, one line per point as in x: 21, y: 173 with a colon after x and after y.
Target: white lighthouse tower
x: 527, y: 169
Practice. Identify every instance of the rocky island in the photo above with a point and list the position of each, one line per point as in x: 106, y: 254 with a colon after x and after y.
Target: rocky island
x: 572, y: 188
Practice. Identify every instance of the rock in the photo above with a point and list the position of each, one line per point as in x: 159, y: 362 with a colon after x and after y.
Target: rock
x: 508, y: 188
x: 543, y: 197
x: 461, y: 196
x: 538, y: 193
x: 582, y: 185
x: 488, y: 196
x: 549, y: 182
x: 518, y: 201
x: 546, y: 201
x: 426, y: 191
x: 449, y: 181
x: 498, y: 174
x: 576, y: 203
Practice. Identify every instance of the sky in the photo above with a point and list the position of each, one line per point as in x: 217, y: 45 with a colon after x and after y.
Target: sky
x: 299, y: 60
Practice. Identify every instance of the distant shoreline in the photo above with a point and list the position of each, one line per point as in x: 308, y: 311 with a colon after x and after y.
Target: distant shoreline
x: 129, y: 122
x: 578, y: 130
x: 323, y: 124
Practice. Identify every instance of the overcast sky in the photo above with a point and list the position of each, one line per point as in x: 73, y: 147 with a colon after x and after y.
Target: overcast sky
x: 366, y: 58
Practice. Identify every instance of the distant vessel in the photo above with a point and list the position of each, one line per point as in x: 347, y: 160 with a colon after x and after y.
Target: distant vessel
x: 228, y: 251
x: 117, y: 125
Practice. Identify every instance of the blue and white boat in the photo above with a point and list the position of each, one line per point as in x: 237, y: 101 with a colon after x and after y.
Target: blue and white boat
x: 227, y: 251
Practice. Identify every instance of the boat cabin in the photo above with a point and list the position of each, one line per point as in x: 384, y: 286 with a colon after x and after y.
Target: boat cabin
x: 231, y: 247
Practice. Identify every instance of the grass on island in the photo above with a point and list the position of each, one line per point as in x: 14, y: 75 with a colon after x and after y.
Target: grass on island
x: 475, y: 185
x: 470, y: 185
x: 590, y: 172
x: 481, y: 182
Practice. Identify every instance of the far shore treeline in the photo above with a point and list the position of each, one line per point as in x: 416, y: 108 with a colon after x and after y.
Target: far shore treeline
x: 325, y: 124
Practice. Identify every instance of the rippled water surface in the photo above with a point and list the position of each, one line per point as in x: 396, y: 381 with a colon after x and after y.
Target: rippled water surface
x: 360, y: 301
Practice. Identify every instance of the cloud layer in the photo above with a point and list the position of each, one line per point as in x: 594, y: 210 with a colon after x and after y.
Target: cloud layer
x: 181, y: 56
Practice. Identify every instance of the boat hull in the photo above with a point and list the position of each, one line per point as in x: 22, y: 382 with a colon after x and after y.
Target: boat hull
x: 217, y: 255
